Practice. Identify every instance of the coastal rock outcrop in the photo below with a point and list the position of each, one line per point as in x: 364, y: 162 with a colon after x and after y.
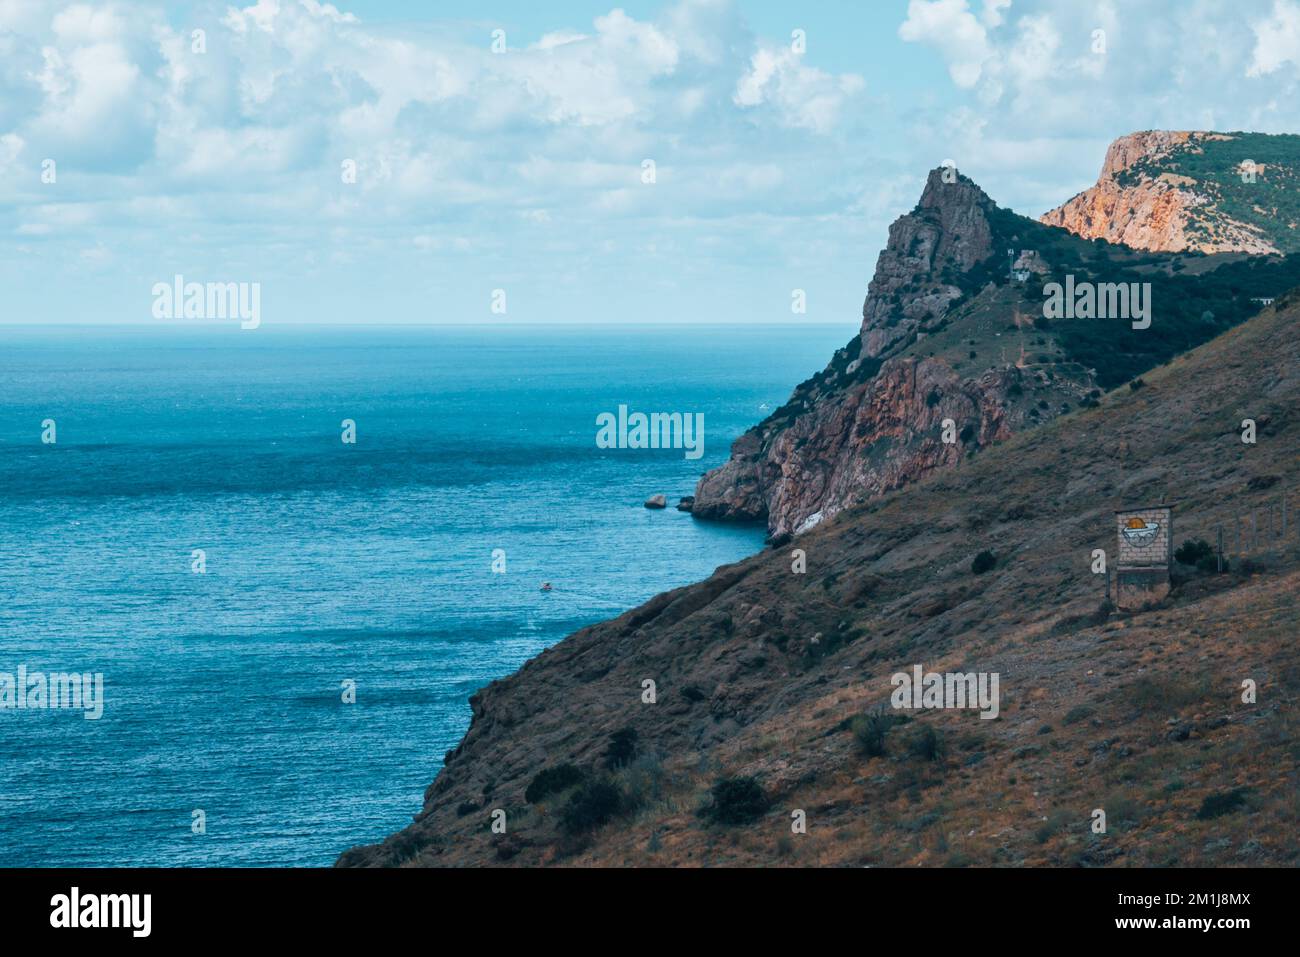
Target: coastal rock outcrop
x: 872, y: 421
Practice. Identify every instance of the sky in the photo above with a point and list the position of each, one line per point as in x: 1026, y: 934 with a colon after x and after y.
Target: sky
x: 499, y: 161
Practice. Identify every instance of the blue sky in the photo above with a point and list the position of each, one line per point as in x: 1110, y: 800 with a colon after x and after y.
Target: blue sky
x: 776, y: 168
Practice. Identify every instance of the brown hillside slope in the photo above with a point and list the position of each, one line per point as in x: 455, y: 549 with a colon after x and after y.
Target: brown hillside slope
x: 759, y: 671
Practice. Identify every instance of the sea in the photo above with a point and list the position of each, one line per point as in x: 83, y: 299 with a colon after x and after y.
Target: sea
x: 288, y: 625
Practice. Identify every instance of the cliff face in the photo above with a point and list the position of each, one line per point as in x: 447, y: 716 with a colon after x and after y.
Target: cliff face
x: 873, y: 420
x: 876, y: 436
x: 1172, y: 191
x: 946, y: 235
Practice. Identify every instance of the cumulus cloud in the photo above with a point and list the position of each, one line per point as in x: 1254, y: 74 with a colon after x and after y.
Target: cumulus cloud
x: 800, y: 95
x: 304, y: 136
x: 1277, y: 40
x: 951, y: 27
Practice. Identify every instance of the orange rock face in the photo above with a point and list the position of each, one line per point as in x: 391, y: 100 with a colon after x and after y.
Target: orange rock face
x: 1153, y: 213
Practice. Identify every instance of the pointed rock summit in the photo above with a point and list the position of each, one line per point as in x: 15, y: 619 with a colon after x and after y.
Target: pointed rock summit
x: 946, y: 235
x: 871, y: 421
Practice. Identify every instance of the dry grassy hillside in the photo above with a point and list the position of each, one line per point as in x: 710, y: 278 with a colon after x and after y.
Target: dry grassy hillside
x: 760, y: 672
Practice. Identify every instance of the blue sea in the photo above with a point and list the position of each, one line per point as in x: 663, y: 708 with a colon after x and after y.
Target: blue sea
x: 327, y: 565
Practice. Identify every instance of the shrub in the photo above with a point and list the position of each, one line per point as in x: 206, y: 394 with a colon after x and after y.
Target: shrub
x: 641, y: 781
x: 1210, y: 564
x: 983, y: 562
x: 1217, y: 805
x: 927, y: 744
x: 1057, y: 821
x: 1163, y: 695
x: 1078, y: 713
x: 551, y: 781
x: 736, y: 800
x: 1191, y: 551
x: 869, y: 731
x: 621, y: 749
x: 593, y: 804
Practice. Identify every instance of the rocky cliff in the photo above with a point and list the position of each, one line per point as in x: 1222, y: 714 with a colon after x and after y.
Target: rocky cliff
x: 873, y: 420
x: 952, y: 326
x: 1178, y: 190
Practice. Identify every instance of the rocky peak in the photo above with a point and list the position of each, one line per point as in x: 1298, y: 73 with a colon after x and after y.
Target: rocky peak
x: 929, y: 248
x: 1128, y: 150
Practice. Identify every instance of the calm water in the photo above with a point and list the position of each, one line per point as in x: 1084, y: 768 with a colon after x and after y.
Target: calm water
x: 325, y: 562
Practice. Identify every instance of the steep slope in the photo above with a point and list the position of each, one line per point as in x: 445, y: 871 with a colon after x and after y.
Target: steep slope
x: 953, y: 329
x: 759, y: 671
x: 1208, y: 192
x: 870, y: 422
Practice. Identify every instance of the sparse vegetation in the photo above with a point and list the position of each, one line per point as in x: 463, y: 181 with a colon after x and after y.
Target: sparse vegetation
x: 736, y: 800
x: 592, y: 805
x: 927, y: 744
x: 552, y: 781
x: 1165, y: 694
x: 1192, y: 551
x: 622, y: 748
x: 1078, y: 713
x: 1217, y: 805
x: 983, y: 562
x: 869, y: 731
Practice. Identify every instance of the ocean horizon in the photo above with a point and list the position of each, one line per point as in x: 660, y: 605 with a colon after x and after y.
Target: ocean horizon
x: 200, y: 533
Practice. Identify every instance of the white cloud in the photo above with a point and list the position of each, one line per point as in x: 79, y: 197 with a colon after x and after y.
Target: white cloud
x: 1277, y: 40
x: 992, y: 13
x: 801, y: 96
x: 531, y: 159
x: 951, y: 27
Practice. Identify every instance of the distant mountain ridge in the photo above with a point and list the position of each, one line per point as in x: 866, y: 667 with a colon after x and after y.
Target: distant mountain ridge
x: 1171, y: 191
